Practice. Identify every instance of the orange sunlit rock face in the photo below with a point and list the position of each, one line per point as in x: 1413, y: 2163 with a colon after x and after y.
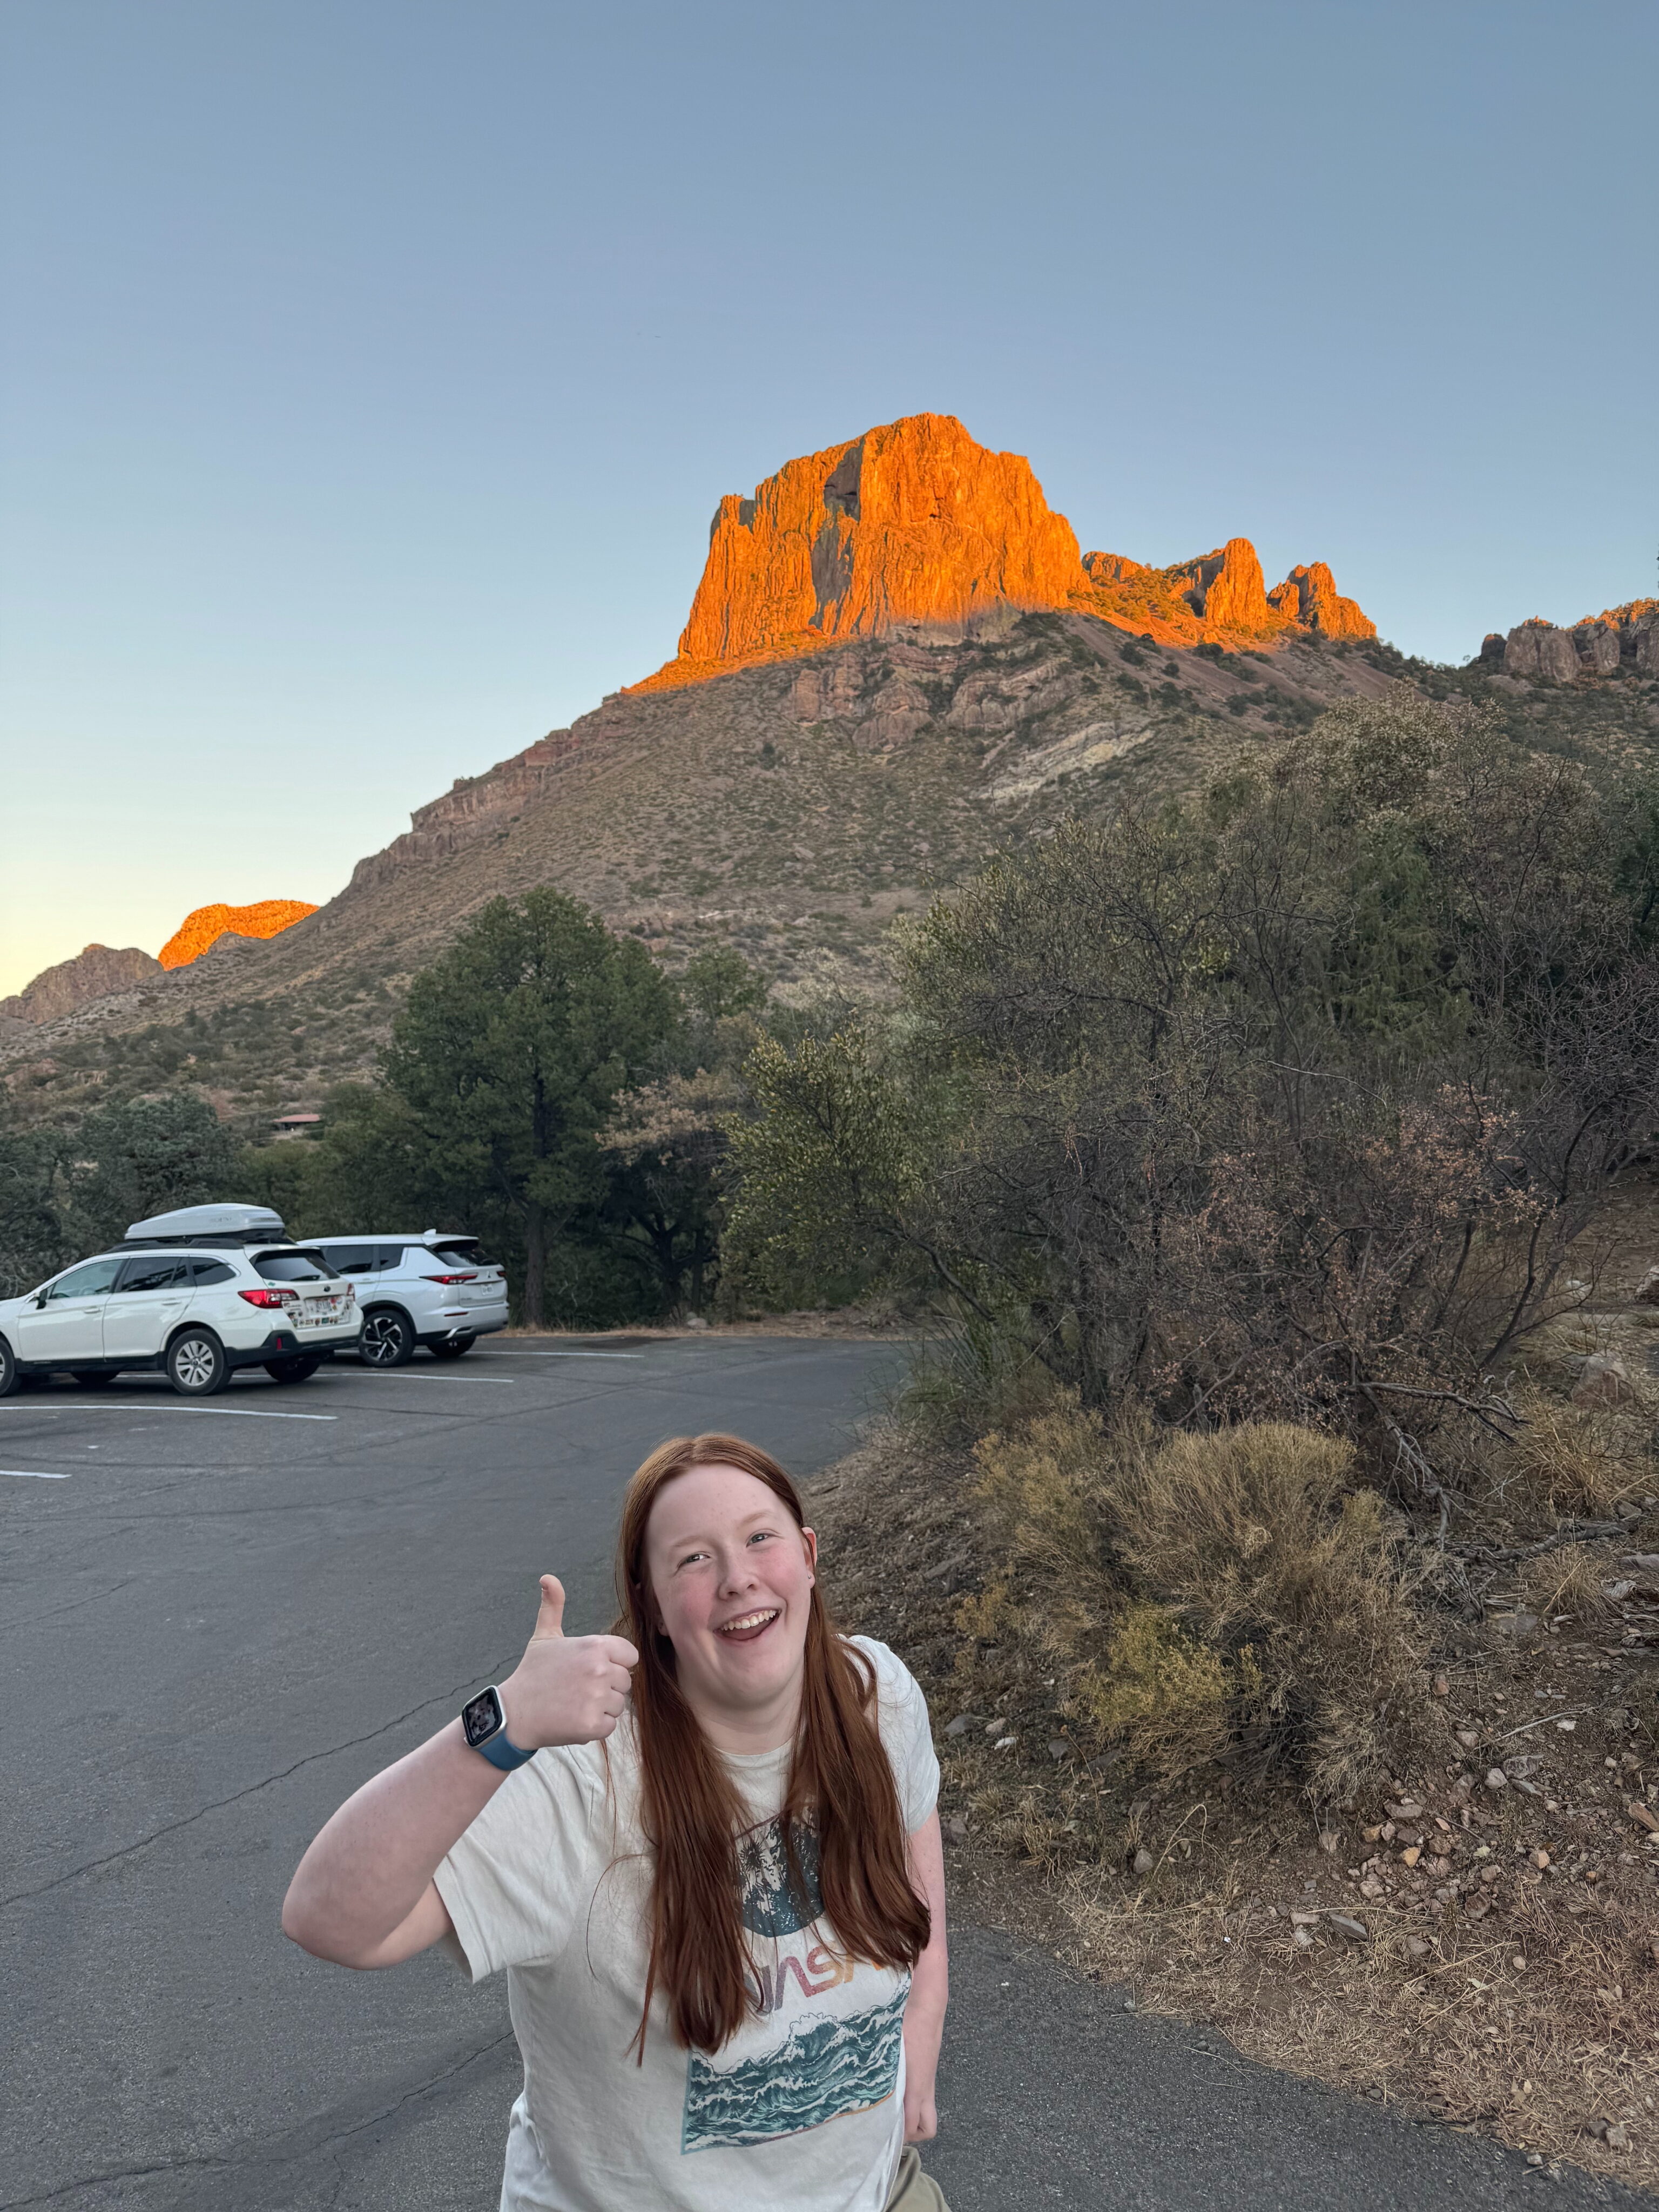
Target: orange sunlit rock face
x: 198, y: 930
x: 1310, y: 596
x: 914, y: 528
x: 910, y: 524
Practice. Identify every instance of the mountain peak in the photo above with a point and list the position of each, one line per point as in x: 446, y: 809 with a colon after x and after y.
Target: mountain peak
x: 915, y: 528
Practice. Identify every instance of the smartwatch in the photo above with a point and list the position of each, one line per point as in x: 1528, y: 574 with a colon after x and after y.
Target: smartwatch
x: 484, y: 1723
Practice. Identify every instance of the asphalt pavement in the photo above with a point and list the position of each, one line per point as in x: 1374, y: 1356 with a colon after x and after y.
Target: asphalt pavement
x: 217, y: 1620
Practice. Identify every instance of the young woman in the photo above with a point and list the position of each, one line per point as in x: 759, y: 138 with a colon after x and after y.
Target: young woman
x: 705, y: 1850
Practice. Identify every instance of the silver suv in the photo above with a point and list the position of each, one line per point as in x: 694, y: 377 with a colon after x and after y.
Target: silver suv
x: 437, y: 1290
x: 197, y: 1293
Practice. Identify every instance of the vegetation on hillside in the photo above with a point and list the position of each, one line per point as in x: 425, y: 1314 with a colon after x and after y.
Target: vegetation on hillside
x: 1288, y: 1102
x: 65, y: 1191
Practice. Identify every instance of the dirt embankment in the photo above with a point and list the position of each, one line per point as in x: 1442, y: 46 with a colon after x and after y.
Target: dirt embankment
x: 1476, y: 1941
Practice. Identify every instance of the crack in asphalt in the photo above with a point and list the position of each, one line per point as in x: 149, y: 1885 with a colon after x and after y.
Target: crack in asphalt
x: 94, y: 1597
x: 255, y: 2155
x: 171, y: 1828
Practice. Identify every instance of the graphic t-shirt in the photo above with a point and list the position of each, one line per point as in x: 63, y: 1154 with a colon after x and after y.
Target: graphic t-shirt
x: 804, y: 2107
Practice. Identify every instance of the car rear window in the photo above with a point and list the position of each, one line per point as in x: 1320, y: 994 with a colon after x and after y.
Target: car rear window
x: 463, y: 1252
x: 296, y: 1267
x: 212, y: 1271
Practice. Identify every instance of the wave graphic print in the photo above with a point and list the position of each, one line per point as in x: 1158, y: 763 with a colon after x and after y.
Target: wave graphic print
x: 823, y: 2068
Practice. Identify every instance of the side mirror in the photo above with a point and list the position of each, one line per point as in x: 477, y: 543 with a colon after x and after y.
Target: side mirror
x: 38, y: 1300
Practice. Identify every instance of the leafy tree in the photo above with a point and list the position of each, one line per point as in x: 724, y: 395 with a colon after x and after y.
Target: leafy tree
x: 31, y: 1231
x: 146, y: 1158
x: 64, y: 1192
x: 718, y: 982
x: 504, y: 1063
x: 665, y: 1152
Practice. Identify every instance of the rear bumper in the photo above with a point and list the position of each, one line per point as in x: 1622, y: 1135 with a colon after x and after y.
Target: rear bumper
x: 291, y: 1344
x: 443, y: 1328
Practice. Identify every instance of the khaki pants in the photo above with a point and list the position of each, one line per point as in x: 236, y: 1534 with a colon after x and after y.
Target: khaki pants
x: 914, y: 2191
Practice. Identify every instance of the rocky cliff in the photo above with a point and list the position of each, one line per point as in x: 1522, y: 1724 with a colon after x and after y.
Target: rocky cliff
x: 97, y: 973
x: 914, y: 530
x: 1621, y: 641
x: 208, y: 924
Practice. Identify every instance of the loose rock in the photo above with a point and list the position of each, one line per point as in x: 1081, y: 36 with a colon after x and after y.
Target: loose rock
x: 1603, y: 1381
x: 1345, y: 1924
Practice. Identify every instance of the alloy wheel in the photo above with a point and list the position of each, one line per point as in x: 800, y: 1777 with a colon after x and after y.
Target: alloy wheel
x: 385, y: 1340
x: 195, y: 1363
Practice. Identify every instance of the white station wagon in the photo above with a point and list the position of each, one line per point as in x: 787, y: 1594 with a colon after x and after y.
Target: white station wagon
x: 197, y: 1293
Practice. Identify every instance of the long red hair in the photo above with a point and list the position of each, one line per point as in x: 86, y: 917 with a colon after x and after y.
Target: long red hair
x: 841, y: 1784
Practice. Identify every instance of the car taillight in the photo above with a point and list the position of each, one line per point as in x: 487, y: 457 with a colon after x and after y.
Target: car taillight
x: 268, y: 1299
x: 450, y: 1279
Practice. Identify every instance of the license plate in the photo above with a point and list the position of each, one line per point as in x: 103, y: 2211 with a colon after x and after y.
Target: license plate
x: 317, y: 1310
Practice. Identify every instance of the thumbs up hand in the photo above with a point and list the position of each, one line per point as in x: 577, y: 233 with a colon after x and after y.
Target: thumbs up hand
x: 566, y: 1689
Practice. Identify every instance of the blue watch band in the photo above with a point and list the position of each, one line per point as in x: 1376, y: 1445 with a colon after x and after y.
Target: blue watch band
x: 499, y: 1753
x: 484, y: 1723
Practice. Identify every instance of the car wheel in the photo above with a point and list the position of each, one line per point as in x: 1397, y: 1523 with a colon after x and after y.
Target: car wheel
x: 10, y: 1379
x: 388, y: 1338
x: 292, y: 1371
x: 452, y: 1348
x: 93, y: 1378
x: 196, y: 1365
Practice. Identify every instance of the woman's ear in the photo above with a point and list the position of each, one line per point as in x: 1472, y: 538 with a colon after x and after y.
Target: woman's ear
x: 645, y: 1606
x: 809, y: 1544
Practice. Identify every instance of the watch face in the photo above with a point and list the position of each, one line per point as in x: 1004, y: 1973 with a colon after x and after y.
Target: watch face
x: 483, y: 1718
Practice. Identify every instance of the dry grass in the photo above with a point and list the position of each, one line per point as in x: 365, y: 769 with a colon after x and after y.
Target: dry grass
x: 1540, y: 2035
x: 1570, y: 1585
x: 1566, y: 1464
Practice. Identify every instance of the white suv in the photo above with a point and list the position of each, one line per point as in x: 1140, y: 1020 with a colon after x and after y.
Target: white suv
x: 437, y: 1290
x: 197, y: 1293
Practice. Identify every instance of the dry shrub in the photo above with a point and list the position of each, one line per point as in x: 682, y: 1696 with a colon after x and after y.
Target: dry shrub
x: 1568, y: 1581
x: 1208, y: 1594
x: 1161, y: 1692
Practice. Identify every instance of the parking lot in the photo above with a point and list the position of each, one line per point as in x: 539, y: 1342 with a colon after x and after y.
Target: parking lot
x: 217, y: 1619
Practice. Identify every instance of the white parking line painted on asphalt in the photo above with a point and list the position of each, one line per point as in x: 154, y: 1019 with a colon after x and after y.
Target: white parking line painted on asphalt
x: 560, y: 1355
x: 161, y: 1405
x: 32, y: 1475
x: 383, y: 1381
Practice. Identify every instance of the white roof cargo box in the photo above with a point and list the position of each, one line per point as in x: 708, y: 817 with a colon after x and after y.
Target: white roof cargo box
x: 253, y: 1223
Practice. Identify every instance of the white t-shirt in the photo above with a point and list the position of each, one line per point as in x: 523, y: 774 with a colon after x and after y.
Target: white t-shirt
x: 804, y: 2107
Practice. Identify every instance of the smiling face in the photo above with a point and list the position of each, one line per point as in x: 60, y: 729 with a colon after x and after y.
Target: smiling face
x: 731, y: 1577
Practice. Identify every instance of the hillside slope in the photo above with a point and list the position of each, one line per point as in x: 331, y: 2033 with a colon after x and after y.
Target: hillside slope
x: 790, y: 808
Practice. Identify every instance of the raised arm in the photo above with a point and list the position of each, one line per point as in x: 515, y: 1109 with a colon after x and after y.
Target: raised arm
x: 930, y: 1988
x: 363, y: 1895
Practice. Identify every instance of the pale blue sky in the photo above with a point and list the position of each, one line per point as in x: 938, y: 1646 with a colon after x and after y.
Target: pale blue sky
x: 372, y: 368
